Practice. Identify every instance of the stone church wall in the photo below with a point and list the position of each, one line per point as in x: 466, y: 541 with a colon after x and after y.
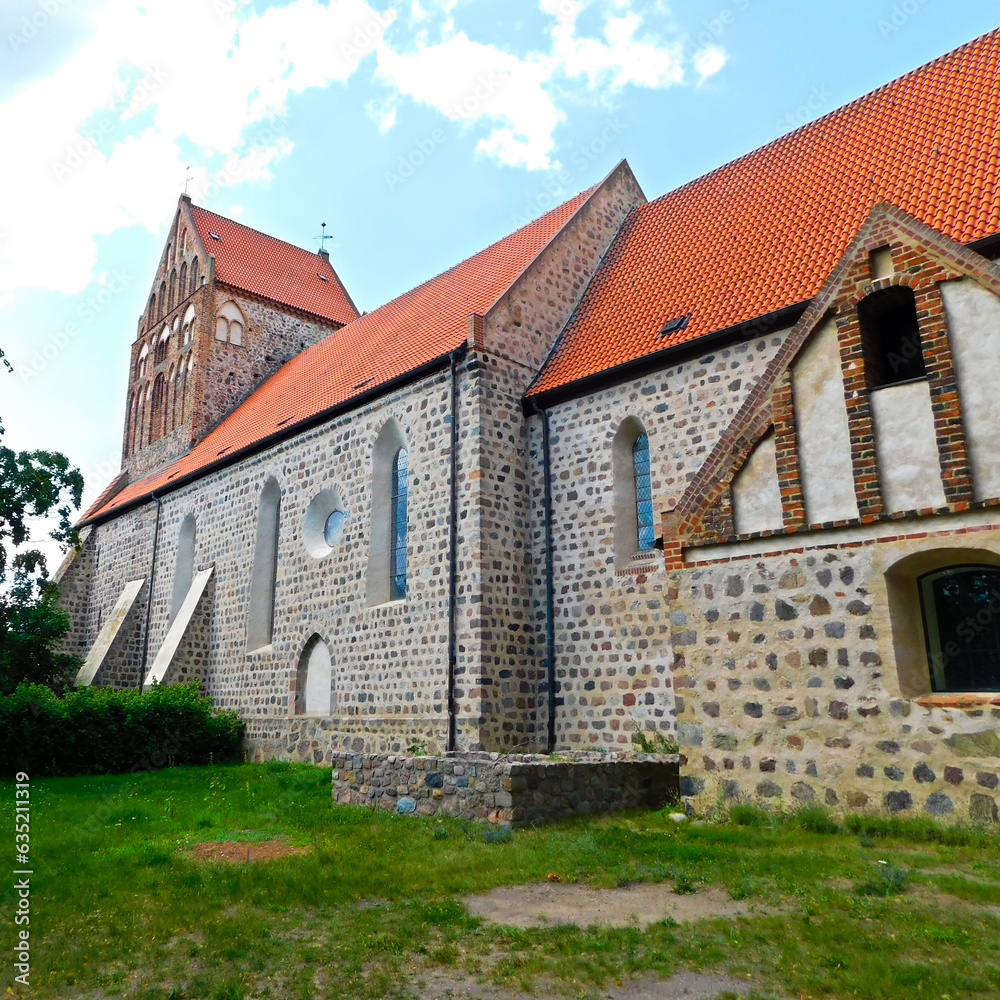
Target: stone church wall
x: 612, y: 623
x: 788, y: 687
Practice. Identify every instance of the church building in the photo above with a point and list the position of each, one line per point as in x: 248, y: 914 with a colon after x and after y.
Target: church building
x: 722, y: 466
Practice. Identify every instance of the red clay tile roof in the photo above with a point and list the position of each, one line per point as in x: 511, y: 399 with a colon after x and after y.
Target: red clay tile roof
x: 764, y: 231
x: 424, y: 324
x: 273, y: 269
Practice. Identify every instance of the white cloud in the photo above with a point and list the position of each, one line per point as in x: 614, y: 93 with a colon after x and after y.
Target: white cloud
x: 709, y: 61
x: 105, y: 140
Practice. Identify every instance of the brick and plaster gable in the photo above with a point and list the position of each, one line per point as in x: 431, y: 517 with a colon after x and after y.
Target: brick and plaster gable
x: 922, y: 425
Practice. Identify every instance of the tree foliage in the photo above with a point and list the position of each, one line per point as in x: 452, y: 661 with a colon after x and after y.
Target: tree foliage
x: 33, y: 484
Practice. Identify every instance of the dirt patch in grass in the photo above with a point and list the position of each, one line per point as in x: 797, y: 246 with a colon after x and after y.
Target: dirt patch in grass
x: 243, y: 851
x: 682, y: 986
x: 547, y: 903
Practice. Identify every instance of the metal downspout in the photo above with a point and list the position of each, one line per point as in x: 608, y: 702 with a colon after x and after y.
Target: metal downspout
x: 453, y: 559
x: 550, y: 637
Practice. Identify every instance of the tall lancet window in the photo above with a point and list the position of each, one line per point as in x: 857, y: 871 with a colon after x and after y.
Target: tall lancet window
x: 643, y: 494
x: 398, y: 551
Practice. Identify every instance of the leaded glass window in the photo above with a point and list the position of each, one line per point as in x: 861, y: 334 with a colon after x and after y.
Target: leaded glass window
x: 397, y: 550
x: 643, y: 494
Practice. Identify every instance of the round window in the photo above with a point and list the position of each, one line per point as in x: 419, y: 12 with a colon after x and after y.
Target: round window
x: 334, y: 527
x: 324, y: 523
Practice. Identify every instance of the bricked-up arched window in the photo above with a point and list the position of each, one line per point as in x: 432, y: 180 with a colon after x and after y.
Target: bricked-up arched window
x: 194, y: 275
x: 314, y: 680
x: 230, y: 324
x: 399, y: 534
x: 159, y: 416
x: 890, y: 337
x: 645, y: 532
x: 961, y: 612
x: 183, y: 564
x: 260, y: 615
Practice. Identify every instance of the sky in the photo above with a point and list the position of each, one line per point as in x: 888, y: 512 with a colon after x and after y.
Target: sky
x: 420, y: 131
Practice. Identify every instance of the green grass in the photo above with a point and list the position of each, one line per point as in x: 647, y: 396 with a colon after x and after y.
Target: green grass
x: 120, y: 908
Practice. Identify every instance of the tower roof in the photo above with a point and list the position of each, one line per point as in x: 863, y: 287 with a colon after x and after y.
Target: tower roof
x: 275, y: 270
x: 419, y: 327
x: 763, y: 232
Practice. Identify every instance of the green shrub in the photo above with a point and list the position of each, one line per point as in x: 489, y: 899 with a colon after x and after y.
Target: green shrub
x: 813, y: 818
x: 106, y: 731
x: 919, y: 829
x: 747, y: 815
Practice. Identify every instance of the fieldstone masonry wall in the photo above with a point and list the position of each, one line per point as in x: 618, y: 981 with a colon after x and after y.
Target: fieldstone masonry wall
x: 511, y: 789
x: 787, y: 689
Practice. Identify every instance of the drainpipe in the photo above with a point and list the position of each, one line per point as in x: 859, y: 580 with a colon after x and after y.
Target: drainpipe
x: 453, y: 558
x: 550, y: 636
x: 149, y: 590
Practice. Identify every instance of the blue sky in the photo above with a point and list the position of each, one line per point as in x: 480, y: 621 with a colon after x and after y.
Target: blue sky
x: 418, y: 131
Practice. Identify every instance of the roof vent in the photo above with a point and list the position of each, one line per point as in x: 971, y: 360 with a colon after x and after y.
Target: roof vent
x: 322, y: 277
x: 672, y: 326
x: 215, y: 236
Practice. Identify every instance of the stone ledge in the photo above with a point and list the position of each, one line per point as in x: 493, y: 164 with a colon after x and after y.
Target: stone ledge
x: 515, y: 789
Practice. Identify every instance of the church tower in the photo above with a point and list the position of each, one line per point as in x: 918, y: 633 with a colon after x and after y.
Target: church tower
x: 228, y: 306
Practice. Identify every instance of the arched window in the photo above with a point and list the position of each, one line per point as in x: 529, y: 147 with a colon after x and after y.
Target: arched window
x: 184, y: 564
x: 961, y: 612
x: 890, y: 337
x: 397, y: 568
x: 143, y: 355
x: 159, y: 408
x: 182, y: 284
x: 386, y: 574
x: 260, y: 617
x: 162, y: 299
x: 151, y: 311
x: 162, y: 345
x: 194, y: 275
x: 634, y: 528
x: 314, y: 680
x: 171, y: 400
x: 172, y: 294
x: 645, y: 532
x: 229, y: 324
x: 187, y: 327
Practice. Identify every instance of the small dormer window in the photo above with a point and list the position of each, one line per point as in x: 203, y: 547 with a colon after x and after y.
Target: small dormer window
x: 890, y: 337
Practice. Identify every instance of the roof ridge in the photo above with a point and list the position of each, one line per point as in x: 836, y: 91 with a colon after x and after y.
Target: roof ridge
x: 465, y: 260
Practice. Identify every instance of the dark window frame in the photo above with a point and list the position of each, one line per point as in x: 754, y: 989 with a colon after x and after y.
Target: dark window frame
x: 950, y: 643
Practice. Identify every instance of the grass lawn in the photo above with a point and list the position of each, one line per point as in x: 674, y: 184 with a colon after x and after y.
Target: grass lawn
x: 121, y: 907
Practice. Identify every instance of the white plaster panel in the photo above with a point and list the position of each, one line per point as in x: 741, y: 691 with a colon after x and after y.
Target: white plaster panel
x: 909, y: 468
x: 974, y: 329
x: 756, y: 493
x: 824, y: 438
